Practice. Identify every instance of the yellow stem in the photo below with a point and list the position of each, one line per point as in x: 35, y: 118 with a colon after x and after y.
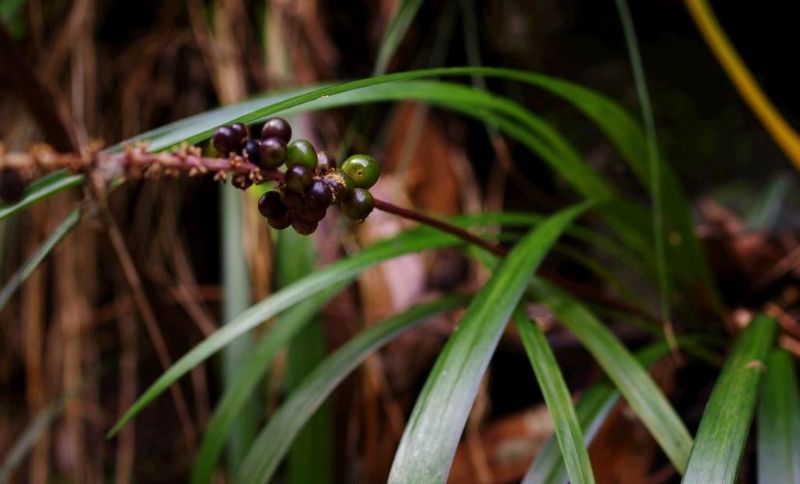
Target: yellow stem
x: 783, y: 134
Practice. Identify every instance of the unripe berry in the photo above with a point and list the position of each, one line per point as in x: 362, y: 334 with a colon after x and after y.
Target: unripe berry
x: 301, y: 152
x: 12, y: 185
x: 298, y: 178
x: 272, y: 152
x: 363, y: 169
x: 271, y: 205
x: 252, y: 150
x: 224, y: 141
x: 325, y: 162
x: 359, y: 205
x: 277, y: 128
x: 239, y: 133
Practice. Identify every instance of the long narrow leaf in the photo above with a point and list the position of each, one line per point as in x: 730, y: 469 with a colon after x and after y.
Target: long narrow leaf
x: 252, y: 371
x: 54, y: 183
x: 431, y: 436
x: 398, y: 26
x: 411, y: 241
x: 727, y: 416
x: 779, y: 421
x: 633, y: 381
x: 24, y: 272
x: 591, y: 409
x: 558, y: 401
x: 274, y: 440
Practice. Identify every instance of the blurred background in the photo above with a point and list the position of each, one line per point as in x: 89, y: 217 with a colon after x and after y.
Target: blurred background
x: 74, y: 350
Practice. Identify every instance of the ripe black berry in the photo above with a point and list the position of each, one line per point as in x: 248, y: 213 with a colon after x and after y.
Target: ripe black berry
x: 301, y: 152
x: 326, y: 162
x: 319, y: 194
x: 239, y: 133
x: 359, y: 205
x: 225, y: 141
x: 340, y: 184
x: 277, y: 128
x: 293, y: 200
x: 363, y: 169
x: 271, y: 205
x: 272, y: 152
x: 298, y: 178
x: 302, y: 227
x: 12, y: 186
x: 252, y: 150
x: 311, y: 214
x: 280, y: 223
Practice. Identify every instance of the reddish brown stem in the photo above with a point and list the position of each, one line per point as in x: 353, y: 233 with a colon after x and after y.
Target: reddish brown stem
x: 441, y: 225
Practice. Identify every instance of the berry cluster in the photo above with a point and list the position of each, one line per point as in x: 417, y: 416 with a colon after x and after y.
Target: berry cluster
x: 311, y: 183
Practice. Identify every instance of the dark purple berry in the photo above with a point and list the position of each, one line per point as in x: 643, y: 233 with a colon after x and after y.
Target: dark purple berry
x: 224, y: 141
x: 239, y: 133
x: 253, y: 151
x: 277, y: 128
x: 293, y: 200
x: 272, y: 152
x: 271, y: 205
x: 340, y: 184
x: 301, y: 152
x: 359, y: 205
x: 319, y: 194
x: 12, y: 186
x: 298, y: 178
x: 311, y: 213
x: 326, y: 162
x: 280, y: 223
x: 302, y: 227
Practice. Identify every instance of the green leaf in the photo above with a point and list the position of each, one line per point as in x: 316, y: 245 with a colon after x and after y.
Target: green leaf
x: 24, y: 272
x: 274, y: 440
x: 311, y: 455
x: 779, y: 421
x: 591, y: 409
x: 46, y: 187
x: 634, y: 383
x: 398, y: 26
x: 411, y: 241
x: 236, y: 292
x: 251, y: 373
x: 558, y: 401
x: 723, y: 429
x: 653, y: 159
x: 433, y: 430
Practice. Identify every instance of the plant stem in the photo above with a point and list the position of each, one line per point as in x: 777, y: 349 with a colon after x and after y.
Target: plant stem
x: 495, y: 249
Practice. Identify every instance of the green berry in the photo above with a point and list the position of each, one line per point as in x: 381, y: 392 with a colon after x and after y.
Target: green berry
x: 359, y: 205
x: 363, y: 169
x: 301, y: 152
